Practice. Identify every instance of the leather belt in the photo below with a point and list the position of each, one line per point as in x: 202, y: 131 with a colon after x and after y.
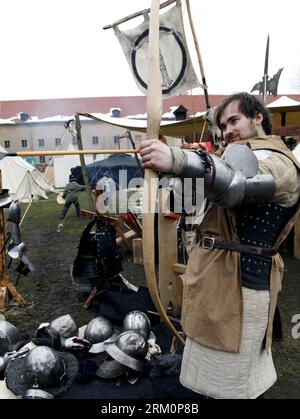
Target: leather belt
x: 209, y: 243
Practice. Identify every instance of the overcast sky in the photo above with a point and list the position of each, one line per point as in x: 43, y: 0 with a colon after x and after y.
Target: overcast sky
x: 58, y: 49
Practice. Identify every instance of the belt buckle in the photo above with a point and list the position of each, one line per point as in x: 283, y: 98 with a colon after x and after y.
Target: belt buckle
x: 208, y: 243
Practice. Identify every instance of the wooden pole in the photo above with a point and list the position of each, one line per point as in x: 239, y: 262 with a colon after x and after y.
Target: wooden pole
x: 198, y: 54
x: 127, y: 18
x: 297, y: 238
x: 83, y: 166
x: 154, y: 106
x: 4, y: 280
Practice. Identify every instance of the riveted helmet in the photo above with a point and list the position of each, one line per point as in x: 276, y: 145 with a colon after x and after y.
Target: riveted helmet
x: 130, y: 349
x: 98, y: 331
x: 43, y: 368
x: 9, y: 337
x: 138, y: 322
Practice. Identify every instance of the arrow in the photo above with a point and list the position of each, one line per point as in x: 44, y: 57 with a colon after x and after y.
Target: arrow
x: 65, y: 153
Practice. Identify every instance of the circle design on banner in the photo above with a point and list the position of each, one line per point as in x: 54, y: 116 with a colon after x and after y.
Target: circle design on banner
x: 170, y: 81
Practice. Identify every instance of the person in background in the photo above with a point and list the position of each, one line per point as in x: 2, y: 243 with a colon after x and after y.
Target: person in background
x: 235, y: 271
x: 71, y: 195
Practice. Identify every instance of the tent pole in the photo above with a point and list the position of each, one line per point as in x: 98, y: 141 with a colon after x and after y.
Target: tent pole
x: 7, y: 287
x: 83, y: 165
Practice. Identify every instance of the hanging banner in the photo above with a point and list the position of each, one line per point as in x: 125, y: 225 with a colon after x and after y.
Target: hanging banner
x: 177, y: 73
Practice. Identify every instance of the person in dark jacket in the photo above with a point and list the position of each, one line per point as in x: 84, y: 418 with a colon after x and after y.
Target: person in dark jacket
x: 71, y: 195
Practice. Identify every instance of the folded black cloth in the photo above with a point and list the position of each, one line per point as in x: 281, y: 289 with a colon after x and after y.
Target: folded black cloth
x: 164, y: 365
x: 87, y: 371
x: 170, y: 388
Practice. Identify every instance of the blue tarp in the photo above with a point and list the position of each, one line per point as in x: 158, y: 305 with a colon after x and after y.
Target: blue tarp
x: 113, y: 165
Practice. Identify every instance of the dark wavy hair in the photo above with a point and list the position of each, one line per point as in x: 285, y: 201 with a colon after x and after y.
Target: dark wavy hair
x: 250, y: 106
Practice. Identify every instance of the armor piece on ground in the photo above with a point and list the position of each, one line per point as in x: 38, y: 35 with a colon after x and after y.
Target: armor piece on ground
x: 98, y: 261
x: 98, y: 331
x: 42, y: 369
x: 64, y: 327
x: 5, y: 199
x: 232, y: 181
x: 76, y: 344
x: 17, y: 248
x: 110, y: 368
x: 129, y: 349
x: 9, y: 337
x: 14, y: 251
x: 138, y: 322
x: 43, y: 337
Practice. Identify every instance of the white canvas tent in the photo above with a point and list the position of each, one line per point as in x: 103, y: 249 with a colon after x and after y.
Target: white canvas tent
x: 22, y: 179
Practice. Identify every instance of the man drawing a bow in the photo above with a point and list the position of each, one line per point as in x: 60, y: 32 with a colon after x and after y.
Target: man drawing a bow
x: 234, y: 273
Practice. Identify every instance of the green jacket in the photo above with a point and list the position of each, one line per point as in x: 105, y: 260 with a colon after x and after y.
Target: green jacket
x: 71, y: 191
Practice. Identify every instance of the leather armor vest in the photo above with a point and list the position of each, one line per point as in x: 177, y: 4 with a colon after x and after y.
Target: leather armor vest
x: 260, y: 225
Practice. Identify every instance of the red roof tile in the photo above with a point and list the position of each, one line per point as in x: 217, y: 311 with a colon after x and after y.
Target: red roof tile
x: 129, y: 105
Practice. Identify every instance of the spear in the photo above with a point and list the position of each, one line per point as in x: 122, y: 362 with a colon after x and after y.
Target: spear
x: 266, y: 69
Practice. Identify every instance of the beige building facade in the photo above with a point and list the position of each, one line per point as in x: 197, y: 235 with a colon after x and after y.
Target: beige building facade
x: 52, y: 134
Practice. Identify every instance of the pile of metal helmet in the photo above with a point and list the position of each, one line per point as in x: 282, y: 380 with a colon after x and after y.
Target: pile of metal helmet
x: 128, y: 351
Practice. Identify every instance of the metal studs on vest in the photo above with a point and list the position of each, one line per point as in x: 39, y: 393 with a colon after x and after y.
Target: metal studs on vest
x: 129, y: 349
x: 138, y: 322
x: 9, y: 337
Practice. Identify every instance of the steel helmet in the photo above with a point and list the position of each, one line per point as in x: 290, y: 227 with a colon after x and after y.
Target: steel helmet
x: 98, y: 331
x: 9, y: 337
x: 138, y: 322
x: 110, y: 368
x: 130, y: 349
x: 43, y: 368
x: 64, y: 327
x: 37, y: 394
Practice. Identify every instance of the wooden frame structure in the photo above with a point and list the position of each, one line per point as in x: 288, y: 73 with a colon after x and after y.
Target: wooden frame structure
x: 7, y: 289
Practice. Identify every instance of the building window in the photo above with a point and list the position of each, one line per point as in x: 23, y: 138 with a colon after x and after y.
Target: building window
x: 57, y: 141
x: 95, y: 140
x: 74, y: 140
x: 116, y: 139
x: 41, y: 142
x: 24, y: 143
x: 6, y: 144
x: 42, y: 159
